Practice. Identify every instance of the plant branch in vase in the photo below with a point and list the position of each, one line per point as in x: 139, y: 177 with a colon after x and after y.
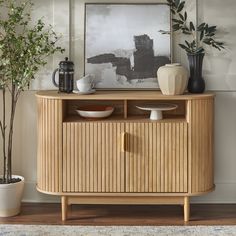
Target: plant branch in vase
x: 197, y: 38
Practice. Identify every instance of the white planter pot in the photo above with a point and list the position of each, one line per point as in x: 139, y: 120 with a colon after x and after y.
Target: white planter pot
x: 10, y: 198
x: 172, y: 79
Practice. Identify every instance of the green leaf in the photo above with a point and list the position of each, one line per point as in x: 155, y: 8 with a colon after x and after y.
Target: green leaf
x: 176, y: 27
x: 172, y: 11
x: 187, y: 43
x: 188, y: 50
x: 210, y: 34
x: 181, y: 16
x: 184, y: 47
x: 177, y: 21
x: 194, y: 43
x: 181, y: 6
x: 213, y: 45
x: 177, y: 3
x: 207, y: 41
x: 186, y: 32
x: 201, y: 35
x: 185, y: 16
x: 164, y: 32
x: 191, y: 27
x: 200, y: 50
x: 212, y: 29
x: 201, y: 27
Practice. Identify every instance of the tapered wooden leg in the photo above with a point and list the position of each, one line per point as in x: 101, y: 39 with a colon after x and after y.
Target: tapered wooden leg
x: 186, y: 209
x: 64, y: 208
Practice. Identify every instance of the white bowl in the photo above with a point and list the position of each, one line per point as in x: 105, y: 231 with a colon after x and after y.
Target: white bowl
x: 95, y: 112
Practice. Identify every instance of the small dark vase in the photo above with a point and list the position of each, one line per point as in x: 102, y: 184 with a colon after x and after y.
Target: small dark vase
x: 196, y: 83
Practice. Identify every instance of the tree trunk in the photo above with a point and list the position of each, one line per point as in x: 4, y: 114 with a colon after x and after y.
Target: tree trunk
x: 3, y: 131
x: 14, y: 99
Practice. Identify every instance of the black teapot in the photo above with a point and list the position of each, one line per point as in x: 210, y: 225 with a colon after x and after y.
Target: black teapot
x: 66, y: 76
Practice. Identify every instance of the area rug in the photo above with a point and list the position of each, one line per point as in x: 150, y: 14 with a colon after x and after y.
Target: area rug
x: 44, y: 230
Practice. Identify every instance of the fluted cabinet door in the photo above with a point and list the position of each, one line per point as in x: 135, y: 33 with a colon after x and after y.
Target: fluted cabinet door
x: 156, y: 157
x: 93, y: 160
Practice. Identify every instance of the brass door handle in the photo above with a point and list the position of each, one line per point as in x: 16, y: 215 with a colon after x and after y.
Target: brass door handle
x: 124, y: 142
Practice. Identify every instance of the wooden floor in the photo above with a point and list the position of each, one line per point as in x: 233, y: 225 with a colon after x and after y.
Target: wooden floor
x: 124, y: 215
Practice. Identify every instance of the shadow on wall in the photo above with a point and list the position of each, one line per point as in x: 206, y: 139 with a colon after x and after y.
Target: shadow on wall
x: 220, y: 67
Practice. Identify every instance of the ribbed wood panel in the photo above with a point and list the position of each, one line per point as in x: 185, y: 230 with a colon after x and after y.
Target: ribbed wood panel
x: 92, y: 157
x: 156, y: 157
x: 49, y: 154
x: 201, y: 176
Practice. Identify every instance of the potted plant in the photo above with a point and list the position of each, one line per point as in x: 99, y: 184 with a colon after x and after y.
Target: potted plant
x: 23, y: 50
x: 197, y: 36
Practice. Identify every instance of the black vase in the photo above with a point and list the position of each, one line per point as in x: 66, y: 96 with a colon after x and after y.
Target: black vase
x: 196, y: 83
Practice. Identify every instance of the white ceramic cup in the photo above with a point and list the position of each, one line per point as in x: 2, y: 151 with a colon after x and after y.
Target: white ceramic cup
x: 84, y: 86
x: 89, y: 78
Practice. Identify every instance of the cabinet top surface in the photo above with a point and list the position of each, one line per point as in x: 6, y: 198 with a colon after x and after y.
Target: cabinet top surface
x: 122, y: 95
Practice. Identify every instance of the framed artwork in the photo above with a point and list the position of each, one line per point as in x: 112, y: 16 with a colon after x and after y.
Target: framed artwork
x: 123, y: 47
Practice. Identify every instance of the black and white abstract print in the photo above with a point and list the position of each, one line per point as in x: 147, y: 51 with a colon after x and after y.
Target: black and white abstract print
x: 123, y: 45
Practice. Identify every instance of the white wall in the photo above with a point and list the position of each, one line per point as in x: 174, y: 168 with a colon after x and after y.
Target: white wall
x: 220, y: 75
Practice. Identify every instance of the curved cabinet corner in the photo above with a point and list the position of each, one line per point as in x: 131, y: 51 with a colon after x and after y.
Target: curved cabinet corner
x: 49, y: 150
x: 200, y: 148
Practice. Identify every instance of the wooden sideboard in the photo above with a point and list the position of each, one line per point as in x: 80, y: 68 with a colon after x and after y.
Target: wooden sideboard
x: 126, y: 158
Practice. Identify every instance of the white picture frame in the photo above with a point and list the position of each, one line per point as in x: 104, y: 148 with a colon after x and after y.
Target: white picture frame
x: 78, y: 34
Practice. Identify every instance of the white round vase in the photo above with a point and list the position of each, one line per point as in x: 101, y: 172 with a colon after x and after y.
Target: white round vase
x: 172, y: 79
x: 10, y: 197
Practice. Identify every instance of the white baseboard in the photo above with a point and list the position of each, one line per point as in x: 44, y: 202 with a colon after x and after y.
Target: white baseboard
x: 32, y: 195
x: 225, y: 193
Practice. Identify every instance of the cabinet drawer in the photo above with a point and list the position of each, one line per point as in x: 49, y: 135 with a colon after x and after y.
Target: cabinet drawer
x: 92, y: 157
x: 156, y: 157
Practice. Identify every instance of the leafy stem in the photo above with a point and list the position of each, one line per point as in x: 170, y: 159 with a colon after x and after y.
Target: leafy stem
x: 196, y: 36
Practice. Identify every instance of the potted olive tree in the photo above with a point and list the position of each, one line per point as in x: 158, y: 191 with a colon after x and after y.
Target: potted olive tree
x: 23, y: 50
x: 197, y: 37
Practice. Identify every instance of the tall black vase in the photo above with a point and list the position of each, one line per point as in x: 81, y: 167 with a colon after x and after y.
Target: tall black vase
x: 196, y: 83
